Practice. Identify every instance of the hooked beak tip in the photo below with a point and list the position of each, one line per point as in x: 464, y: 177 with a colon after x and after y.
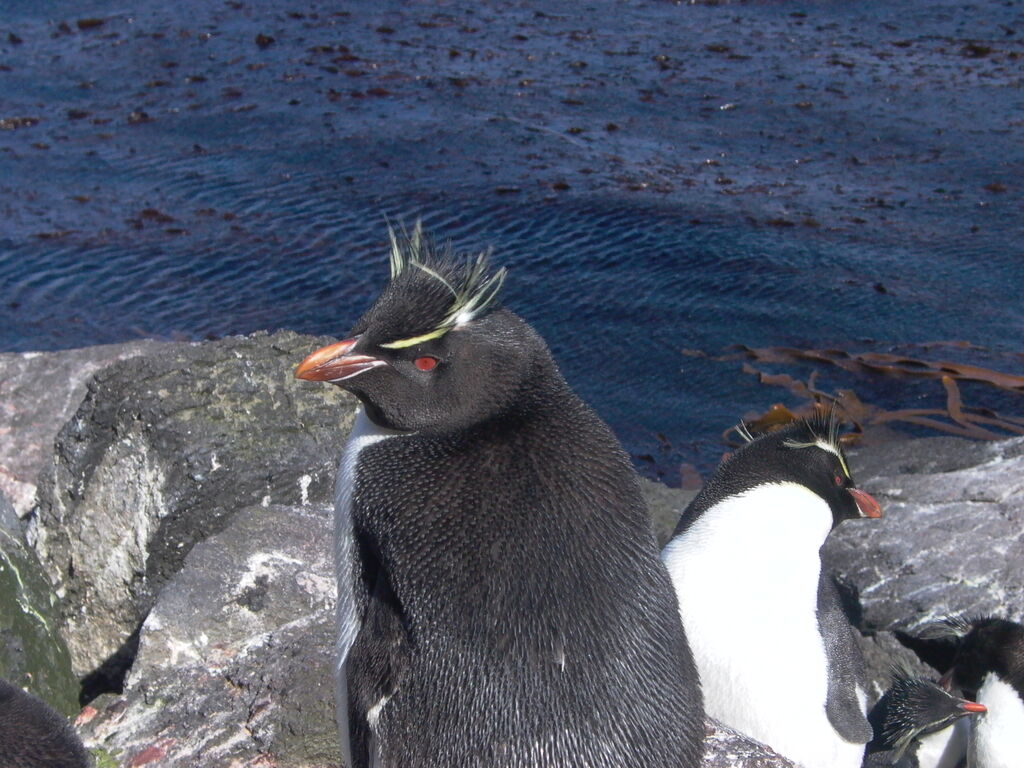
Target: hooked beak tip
x: 866, y: 503
x: 333, y: 362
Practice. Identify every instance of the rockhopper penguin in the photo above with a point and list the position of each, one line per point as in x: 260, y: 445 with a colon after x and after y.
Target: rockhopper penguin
x: 989, y: 667
x: 501, y: 599
x: 775, y: 652
x: 33, y: 735
x: 919, y: 724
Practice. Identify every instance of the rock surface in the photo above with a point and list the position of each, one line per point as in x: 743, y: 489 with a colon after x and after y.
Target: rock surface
x: 234, y: 660
x: 39, y: 392
x: 726, y: 748
x: 162, y: 451
x: 33, y: 655
x: 951, y: 540
x: 665, y: 505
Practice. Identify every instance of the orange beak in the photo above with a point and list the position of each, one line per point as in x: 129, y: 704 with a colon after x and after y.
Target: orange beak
x: 334, y: 363
x: 866, y: 503
x: 973, y: 706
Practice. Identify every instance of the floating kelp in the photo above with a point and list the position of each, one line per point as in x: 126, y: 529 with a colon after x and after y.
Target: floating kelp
x: 954, y: 417
x: 883, y: 363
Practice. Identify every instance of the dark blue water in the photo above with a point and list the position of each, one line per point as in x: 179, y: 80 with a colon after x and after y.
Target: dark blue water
x: 658, y: 178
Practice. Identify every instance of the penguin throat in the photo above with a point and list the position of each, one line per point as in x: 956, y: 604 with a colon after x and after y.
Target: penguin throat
x: 944, y: 748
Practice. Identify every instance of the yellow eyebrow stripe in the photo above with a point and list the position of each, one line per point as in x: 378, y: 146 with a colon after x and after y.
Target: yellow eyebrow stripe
x: 411, y: 342
x: 835, y: 452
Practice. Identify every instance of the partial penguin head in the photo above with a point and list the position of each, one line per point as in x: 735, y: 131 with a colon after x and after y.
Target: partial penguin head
x: 807, y: 452
x: 915, y: 707
x: 434, y: 353
x: 987, y: 645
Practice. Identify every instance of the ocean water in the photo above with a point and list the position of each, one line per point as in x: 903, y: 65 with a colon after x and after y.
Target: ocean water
x: 659, y: 179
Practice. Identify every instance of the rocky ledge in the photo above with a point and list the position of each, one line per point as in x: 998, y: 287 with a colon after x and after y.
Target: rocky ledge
x: 176, y: 556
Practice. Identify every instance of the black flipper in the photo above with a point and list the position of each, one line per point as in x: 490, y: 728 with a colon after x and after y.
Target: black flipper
x: 846, y: 667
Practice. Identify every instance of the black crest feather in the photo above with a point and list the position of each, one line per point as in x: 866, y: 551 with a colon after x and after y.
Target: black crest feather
x: 431, y: 290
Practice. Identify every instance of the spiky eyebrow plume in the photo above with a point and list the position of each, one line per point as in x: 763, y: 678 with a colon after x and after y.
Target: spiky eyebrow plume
x: 950, y: 627
x: 475, y: 292
x: 743, y: 431
x: 824, y: 429
x: 414, y: 248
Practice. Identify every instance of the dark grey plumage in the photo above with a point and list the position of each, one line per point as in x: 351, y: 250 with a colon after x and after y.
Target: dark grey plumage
x: 33, y: 735
x: 502, y: 598
x: 847, y: 672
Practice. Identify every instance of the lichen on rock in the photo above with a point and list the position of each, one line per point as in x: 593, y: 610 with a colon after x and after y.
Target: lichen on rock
x: 32, y: 652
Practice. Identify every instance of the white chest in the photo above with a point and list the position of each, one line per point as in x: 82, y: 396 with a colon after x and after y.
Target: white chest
x: 746, y: 576
x: 997, y: 739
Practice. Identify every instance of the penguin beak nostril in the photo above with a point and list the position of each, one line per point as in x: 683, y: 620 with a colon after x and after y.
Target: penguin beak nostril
x: 866, y: 503
x: 334, y: 363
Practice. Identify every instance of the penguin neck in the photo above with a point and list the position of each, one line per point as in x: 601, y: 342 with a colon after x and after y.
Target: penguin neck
x: 542, y: 401
x: 543, y: 393
x: 780, y: 526
x: 944, y: 748
x: 998, y: 735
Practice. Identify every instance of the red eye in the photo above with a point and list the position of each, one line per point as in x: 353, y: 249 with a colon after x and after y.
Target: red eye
x: 838, y: 480
x: 425, y: 363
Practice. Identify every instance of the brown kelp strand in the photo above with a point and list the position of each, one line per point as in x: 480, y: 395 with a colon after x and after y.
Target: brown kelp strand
x: 871, y: 420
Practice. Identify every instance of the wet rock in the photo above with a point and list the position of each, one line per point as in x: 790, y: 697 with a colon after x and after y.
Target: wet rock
x: 234, y: 662
x: 951, y: 541
x: 39, y: 392
x: 163, y: 450
x: 32, y: 654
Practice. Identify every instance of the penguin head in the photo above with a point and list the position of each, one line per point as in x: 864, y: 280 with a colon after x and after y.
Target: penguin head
x: 915, y: 707
x: 987, y: 645
x: 807, y: 452
x: 434, y: 353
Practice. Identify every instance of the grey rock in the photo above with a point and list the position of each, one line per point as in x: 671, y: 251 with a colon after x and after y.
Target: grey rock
x: 882, y: 651
x: 726, y: 748
x: 162, y: 451
x: 33, y: 655
x: 234, y: 663
x: 39, y: 391
x: 951, y: 540
x: 9, y: 522
x: 664, y: 505
x: 927, y: 456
